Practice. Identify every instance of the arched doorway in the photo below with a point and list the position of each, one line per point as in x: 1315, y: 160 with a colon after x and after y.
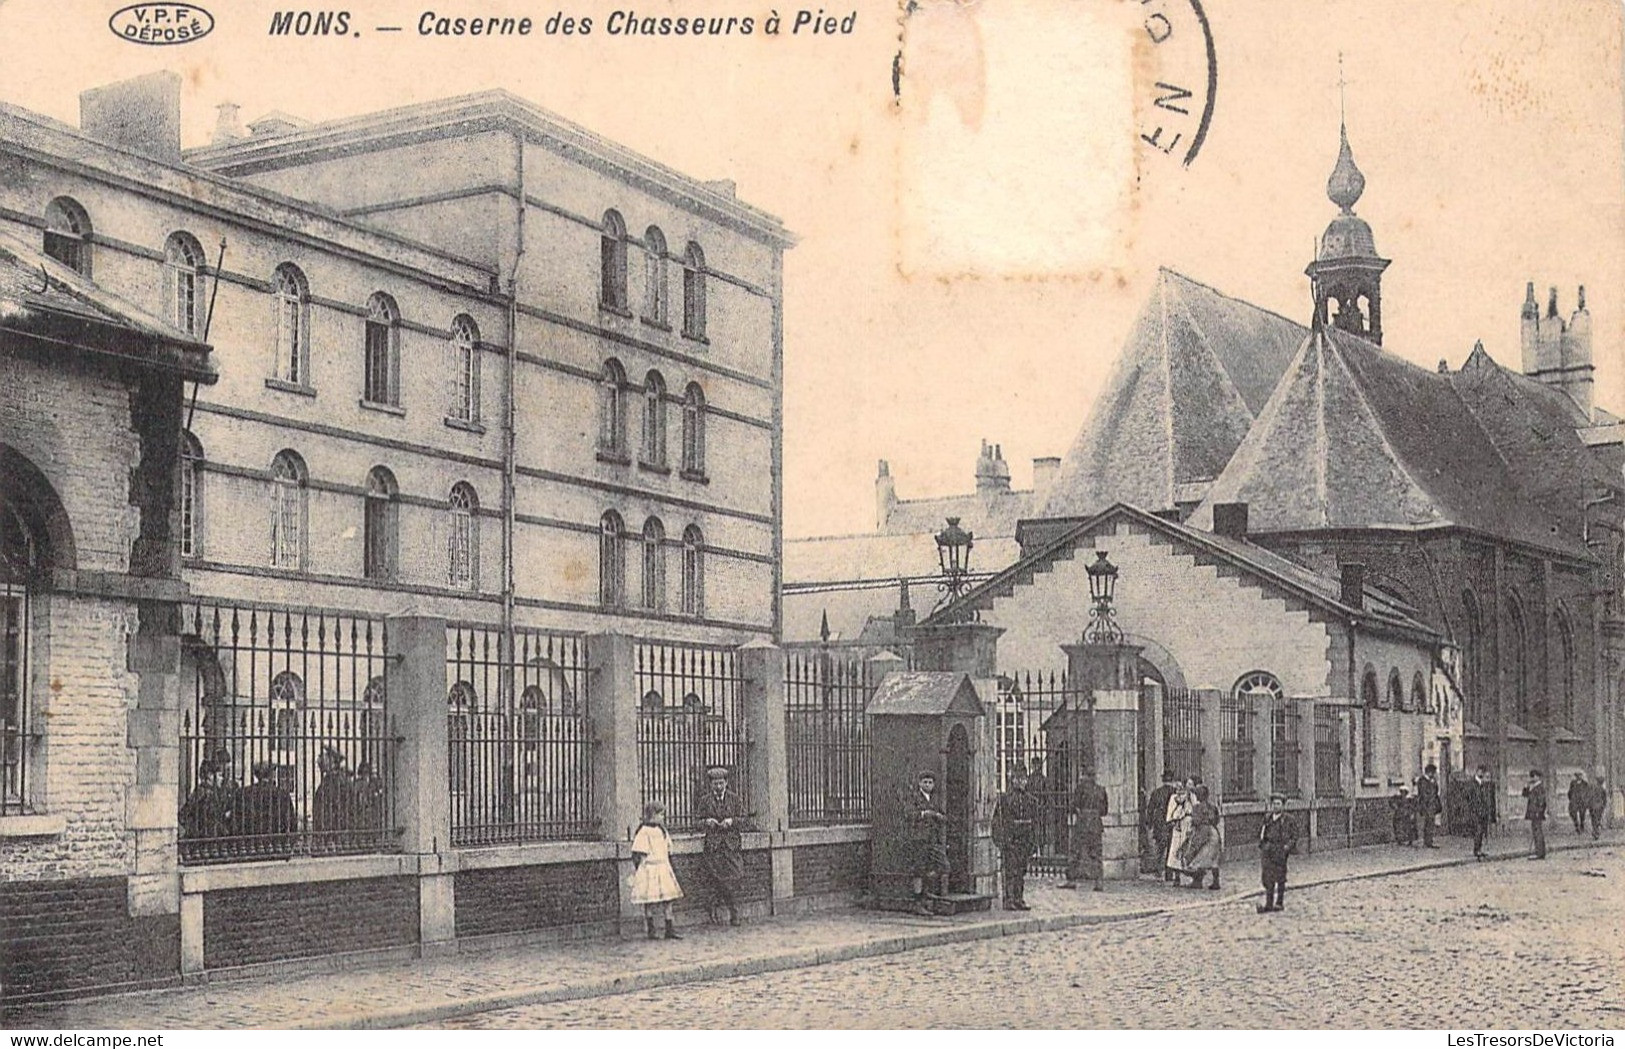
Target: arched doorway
x: 958, y: 800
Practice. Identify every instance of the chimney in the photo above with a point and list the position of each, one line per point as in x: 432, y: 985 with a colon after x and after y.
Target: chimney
x: 992, y: 472
x: 1579, y: 371
x: 885, y: 496
x: 142, y: 114
x: 1529, y: 331
x: 1550, y: 343
x: 1044, y: 471
x: 1230, y: 519
x: 228, y: 126
x: 1353, y: 584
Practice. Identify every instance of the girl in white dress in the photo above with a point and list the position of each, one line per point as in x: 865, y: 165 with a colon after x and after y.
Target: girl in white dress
x: 653, y: 882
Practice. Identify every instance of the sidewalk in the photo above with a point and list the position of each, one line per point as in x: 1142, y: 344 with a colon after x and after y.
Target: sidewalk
x: 477, y: 980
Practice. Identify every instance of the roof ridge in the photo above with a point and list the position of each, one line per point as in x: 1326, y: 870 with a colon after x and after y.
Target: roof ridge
x: 1187, y: 278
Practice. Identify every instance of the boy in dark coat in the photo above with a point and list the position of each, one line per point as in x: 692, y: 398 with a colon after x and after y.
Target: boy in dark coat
x: 1277, y: 839
x: 1404, y: 812
x: 721, y: 812
x: 926, y: 825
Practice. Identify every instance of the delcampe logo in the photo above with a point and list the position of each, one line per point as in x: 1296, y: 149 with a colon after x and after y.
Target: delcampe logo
x: 160, y: 24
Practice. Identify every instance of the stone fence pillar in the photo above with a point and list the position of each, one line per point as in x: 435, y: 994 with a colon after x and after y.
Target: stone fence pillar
x: 762, y: 666
x: 417, y: 699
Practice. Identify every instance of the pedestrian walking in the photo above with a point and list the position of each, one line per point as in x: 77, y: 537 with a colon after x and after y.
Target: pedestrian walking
x: 1277, y: 839
x: 1429, y: 804
x: 1480, y: 808
x: 1178, y: 820
x: 653, y: 882
x: 1403, y: 808
x: 1596, y: 805
x: 1201, y: 851
x: 1534, y: 810
x: 720, y: 812
x: 926, y: 825
x: 1154, y: 824
x: 1579, y: 801
x: 1089, y: 804
x: 1015, y: 832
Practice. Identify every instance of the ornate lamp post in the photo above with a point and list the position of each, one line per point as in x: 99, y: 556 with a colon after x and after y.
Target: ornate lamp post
x: 1103, y: 628
x: 953, y: 550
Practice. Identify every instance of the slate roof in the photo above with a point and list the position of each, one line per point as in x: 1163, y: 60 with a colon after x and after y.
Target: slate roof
x: 927, y: 692
x: 41, y: 297
x: 1274, y: 571
x: 1356, y: 438
x: 1197, y: 368
x: 984, y: 513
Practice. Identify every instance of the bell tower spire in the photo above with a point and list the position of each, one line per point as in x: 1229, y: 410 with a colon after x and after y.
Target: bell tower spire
x: 1347, y: 272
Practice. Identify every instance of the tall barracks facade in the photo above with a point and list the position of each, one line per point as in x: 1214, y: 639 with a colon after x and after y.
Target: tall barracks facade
x: 481, y: 373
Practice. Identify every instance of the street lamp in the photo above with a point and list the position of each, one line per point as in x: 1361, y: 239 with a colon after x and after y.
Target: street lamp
x: 1103, y: 628
x: 953, y: 550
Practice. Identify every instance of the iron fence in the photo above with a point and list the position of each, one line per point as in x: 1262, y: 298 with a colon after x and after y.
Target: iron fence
x: 297, y: 699
x: 15, y: 737
x: 1237, y: 744
x: 1044, y: 725
x: 1284, y: 747
x: 826, y: 692
x: 691, y: 717
x: 519, y: 736
x: 1328, y: 752
x: 1182, y: 733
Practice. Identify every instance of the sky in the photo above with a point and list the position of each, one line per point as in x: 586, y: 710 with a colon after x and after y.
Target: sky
x: 971, y: 259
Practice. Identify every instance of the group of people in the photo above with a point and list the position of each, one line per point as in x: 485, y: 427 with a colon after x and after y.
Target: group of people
x: 1425, y: 809
x: 720, y: 813
x: 222, y: 819
x: 1017, y: 817
x: 1182, y: 819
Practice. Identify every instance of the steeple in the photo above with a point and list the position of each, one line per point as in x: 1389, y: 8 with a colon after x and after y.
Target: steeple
x: 1347, y: 272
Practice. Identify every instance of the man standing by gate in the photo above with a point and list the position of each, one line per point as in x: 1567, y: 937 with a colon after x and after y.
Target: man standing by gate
x: 1154, y: 824
x: 1015, y: 832
x: 1088, y: 831
x: 720, y: 812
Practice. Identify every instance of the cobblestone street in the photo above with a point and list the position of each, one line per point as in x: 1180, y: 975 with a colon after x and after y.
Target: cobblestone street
x: 1512, y: 944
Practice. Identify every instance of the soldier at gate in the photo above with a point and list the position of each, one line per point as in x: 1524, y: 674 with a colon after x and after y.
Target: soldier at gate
x: 1089, y: 804
x: 1154, y: 823
x: 721, y: 812
x: 1015, y: 832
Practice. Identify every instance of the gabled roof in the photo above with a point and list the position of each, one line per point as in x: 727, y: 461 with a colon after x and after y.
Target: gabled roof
x: 1356, y: 438
x: 1274, y: 571
x: 1197, y: 367
x: 984, y: 513
x: 46, y: 301
x: 925, y: 692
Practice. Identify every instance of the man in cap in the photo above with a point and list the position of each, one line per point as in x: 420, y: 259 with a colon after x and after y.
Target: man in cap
x: 1277, y: 839
x: 721, y: 812
x: 1088, y: 831
x: 1429, y: 803
x: 926, y: 827
x: 1534, y: 811
x: 1480, y: 808
x: 1015, y: 832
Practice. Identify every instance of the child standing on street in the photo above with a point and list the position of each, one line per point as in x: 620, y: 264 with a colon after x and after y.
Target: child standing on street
x: 1277, y: 839
x: 653, y: 883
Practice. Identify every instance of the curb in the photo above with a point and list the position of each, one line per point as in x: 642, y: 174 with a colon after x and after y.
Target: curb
x: 705, y: 972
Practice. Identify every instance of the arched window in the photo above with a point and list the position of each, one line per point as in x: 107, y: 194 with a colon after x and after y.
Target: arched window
x: 611, y: 561
x: 694, y: 292
x: 1565, y: 671
x: 381, y: 383
x: 380, y: 537
x: 654, y: 565
x: 612, y: 262
x: 1517, y: 663
x: 693, y: 571
x: 463, y: 544
x: 287, y: 712
x: 1368, y: 725
x: 67, y: 234
x: 18, y: 563
x: 654, y: 420
x: 191, y: 496
x: 1396, y: 691
x: 1396, y: 726
x: 1419, y: 694
x: 292, y: 325
x: 612, y: 410
x: 289, y: 510
x: 461, y: 700
x: 654, y: 292
x: 465, y: 356
x: 694, y: 431
x: 183, y: 261
x: 1472, y: 659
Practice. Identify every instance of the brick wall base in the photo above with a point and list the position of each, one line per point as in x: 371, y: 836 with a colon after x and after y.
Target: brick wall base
x: 60, y: 938
x: 516, y: 899
x: 278, y: 922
